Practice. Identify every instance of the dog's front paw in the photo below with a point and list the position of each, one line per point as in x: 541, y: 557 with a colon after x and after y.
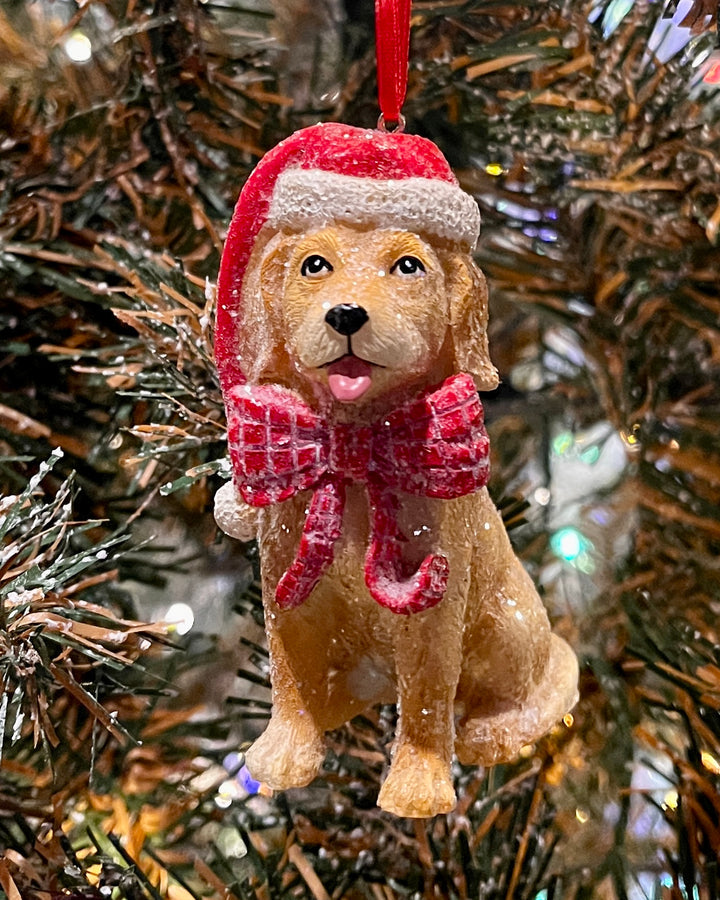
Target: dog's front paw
x: 285, y: 756
x: 418, y: 785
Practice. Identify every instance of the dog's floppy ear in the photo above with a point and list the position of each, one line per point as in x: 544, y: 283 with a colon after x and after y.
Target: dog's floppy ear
x: 260, y: 347
x: 468, y: 297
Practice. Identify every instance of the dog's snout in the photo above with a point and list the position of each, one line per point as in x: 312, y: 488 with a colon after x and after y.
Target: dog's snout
x: 346, y: 318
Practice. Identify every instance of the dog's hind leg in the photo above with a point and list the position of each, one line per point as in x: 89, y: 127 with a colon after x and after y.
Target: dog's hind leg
x: 518, y: 679
x: 491, y: 738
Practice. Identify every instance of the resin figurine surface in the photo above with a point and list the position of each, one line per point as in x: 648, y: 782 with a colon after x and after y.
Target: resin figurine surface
x: 351, y: 342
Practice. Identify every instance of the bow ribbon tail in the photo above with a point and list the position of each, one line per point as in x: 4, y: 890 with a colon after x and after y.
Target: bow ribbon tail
x: 316, y: 551
x: 383, y: 563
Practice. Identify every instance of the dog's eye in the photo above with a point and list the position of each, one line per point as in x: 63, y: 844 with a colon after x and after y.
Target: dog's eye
x: 315, y: 265
x: 407, y: 265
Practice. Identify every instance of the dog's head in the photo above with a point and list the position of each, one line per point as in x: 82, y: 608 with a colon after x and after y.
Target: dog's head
x: 347, y: 272
x: 359, y: 313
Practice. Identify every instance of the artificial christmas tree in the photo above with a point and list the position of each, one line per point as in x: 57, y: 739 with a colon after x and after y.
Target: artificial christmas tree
x: 588, y: 137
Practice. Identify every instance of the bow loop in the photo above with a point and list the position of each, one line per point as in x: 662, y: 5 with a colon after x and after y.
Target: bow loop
x: 436, y: 446
x: 278, y: 445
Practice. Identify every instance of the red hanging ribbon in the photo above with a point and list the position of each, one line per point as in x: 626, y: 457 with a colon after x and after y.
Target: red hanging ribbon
x: 392, y: 42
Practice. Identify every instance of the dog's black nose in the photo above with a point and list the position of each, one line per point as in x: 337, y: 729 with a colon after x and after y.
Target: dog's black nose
x: 346, y: 318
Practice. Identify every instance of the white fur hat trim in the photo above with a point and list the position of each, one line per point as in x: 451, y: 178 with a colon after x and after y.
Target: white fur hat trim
x: 311, y: 198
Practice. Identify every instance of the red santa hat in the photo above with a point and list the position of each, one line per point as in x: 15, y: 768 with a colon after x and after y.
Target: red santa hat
x: 337, y: 173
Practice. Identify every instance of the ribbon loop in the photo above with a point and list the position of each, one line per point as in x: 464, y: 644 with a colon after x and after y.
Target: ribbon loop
x: 392, y: 43
x: 383, y: 561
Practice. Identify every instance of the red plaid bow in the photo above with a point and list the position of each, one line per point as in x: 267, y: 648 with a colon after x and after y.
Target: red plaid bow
x: 433, y: 446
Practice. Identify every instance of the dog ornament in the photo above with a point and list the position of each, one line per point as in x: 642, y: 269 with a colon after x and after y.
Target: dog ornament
x: 351, y: 342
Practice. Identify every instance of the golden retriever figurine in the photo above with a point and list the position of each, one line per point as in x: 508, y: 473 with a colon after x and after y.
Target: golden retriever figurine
x: 347, y: 289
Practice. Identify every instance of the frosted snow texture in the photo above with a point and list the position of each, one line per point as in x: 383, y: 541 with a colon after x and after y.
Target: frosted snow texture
x: 310, y: 198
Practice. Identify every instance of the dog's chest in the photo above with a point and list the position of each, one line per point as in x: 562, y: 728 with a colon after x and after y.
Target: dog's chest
x: 425, y: 525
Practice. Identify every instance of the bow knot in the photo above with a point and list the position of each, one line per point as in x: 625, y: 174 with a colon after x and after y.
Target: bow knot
x: 433, y: 446
x: 350, y: 451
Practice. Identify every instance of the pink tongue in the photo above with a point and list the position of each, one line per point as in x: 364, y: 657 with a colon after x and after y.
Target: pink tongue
x: 349, y: 378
